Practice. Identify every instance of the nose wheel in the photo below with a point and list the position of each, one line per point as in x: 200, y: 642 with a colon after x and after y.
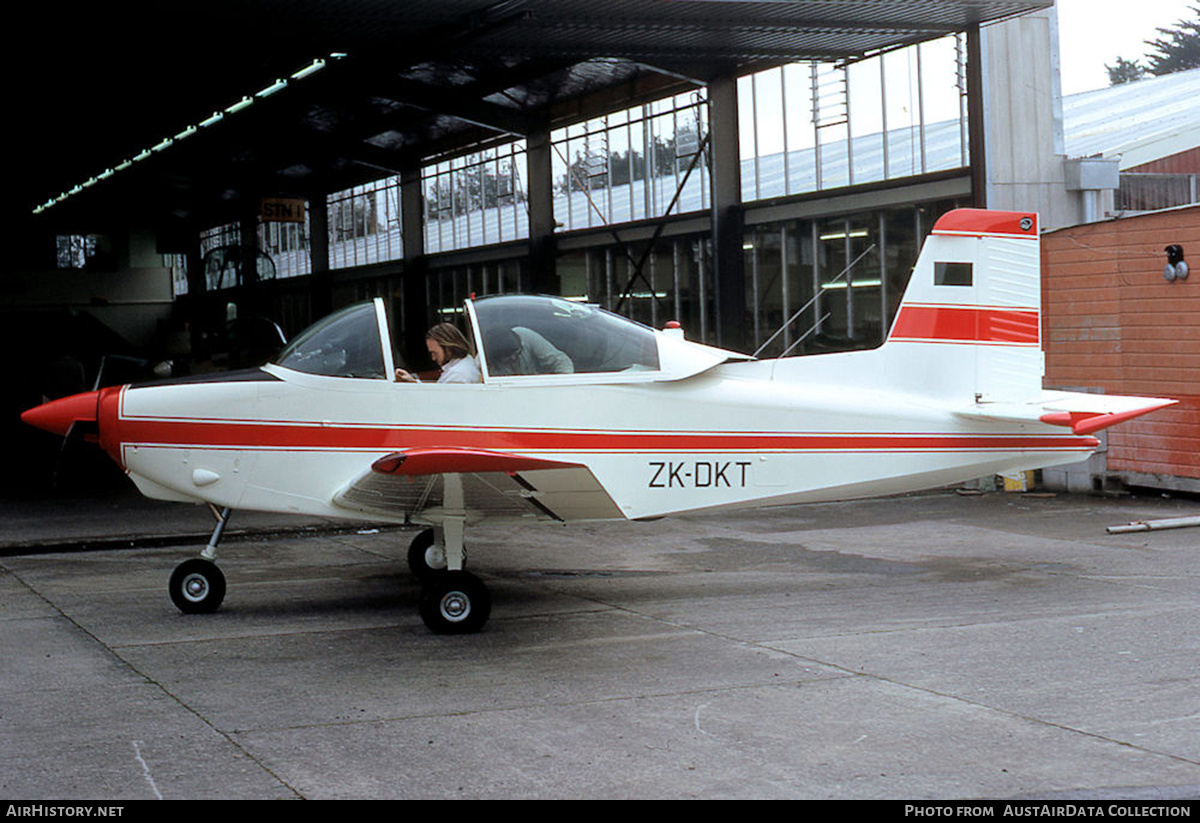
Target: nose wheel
x: 197, y: 586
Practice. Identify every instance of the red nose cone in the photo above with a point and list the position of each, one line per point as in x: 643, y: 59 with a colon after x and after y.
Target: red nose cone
x: 57, y: 416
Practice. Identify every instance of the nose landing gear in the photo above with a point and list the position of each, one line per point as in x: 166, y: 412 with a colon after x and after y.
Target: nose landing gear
x: 197, y: 586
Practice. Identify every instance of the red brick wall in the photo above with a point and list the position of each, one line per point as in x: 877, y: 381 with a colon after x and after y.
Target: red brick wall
x: 1111, y: 321
x: 1186, y: 162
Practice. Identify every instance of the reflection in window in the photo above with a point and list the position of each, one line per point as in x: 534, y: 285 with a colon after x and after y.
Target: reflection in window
x: 826, y: 285
x: 75, y: 251
x: 952, y: 274
x: 818, y: 125
x: 559, y: 336
x: 364, y: 224
x: 632, y: 164
x: 344, y: 344
x: 476, y: 199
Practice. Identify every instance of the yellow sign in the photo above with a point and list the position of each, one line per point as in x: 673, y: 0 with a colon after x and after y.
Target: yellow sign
x: 283, y: 210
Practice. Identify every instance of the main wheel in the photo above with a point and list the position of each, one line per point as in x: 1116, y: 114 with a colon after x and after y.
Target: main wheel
x: 455, y: 603
x: 197, y: 586
x: 424, y: 557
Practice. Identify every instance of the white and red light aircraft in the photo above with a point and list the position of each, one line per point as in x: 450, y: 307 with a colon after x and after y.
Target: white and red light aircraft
x: 647, y: 424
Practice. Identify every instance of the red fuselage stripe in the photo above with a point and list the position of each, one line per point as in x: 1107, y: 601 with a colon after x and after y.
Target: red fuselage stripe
x: 967, y: 324
x: 310, y: 437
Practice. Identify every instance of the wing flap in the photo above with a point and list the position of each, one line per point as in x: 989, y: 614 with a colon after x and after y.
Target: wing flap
x: 495, y: 485
x: 414, y: 462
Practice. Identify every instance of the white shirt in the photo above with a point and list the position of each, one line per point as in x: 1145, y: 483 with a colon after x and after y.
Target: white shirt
x: 462, y: 370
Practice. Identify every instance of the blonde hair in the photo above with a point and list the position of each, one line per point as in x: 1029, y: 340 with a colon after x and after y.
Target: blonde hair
x: 450, y: 339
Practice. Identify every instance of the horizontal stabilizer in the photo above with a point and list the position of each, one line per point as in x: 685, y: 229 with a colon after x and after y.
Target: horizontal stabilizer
x: 1082, y: 413
x: 1088, y: 422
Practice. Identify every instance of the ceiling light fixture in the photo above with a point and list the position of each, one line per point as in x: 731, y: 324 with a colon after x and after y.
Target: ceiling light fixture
x: 216, y: 117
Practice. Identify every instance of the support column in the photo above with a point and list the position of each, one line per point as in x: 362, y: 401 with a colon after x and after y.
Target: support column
x: 728, y: 217
x: 321, y: 293
x: 250, y: 298
x: 975, y: 119
x: 413, y: 318
x: 1024, y: 167
x: 542, y: 275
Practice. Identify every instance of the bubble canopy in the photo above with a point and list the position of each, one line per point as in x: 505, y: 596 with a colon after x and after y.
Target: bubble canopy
x: 520, y: 339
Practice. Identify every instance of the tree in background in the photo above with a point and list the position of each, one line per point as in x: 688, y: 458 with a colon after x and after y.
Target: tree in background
x: 1177, y: 50
x: 1124, y: 71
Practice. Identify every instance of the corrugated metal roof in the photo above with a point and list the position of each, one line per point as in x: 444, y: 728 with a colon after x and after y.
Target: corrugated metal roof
x: 1136, y: 122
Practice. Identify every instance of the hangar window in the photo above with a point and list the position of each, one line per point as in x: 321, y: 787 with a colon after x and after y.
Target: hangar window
x: 832, y: 284
x: 632, y: 164
x: 77, y: 251
x: 344, y: 344
x: 364, y: 224
x: 476, y: 199
x: 813, y: 126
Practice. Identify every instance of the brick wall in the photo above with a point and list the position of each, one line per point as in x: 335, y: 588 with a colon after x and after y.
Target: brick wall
x: 1186, y: 162
x: 1112, y: 322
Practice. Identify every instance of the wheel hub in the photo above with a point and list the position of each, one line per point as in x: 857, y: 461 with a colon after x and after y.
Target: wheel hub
x: 455, y: 606
x: 195, y: 587
x: 435, y: 557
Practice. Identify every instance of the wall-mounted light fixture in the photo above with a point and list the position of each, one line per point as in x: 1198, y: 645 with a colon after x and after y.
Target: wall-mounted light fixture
x: 1177, y: 267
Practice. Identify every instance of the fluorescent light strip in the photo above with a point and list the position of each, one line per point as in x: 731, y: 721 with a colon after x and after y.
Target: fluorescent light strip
x: 857, y: 284
x: 216, y: 117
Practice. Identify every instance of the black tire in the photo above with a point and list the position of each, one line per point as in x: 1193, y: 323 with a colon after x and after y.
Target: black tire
x: 419, y: 556
x: 197, y: 586
x: 455, y: 603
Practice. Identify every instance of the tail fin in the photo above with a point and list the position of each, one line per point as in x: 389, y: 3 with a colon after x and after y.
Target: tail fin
x: 970, y: 327
x: 970, y: 320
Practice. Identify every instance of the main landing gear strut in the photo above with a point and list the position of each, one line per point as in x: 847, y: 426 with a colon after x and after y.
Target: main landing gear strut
x: 453, y: 600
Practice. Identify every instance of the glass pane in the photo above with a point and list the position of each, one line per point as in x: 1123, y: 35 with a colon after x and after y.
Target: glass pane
x: 344, y: 344
x: 545, y: 335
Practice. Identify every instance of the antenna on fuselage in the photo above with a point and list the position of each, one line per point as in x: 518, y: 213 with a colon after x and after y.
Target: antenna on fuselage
x: 805, y: 307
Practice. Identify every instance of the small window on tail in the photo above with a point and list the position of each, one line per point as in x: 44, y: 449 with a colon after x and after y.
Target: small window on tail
x: 952, y: 274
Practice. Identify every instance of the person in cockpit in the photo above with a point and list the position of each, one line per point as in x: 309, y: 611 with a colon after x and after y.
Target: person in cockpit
x: 523, y: 351
x: 449, y: 349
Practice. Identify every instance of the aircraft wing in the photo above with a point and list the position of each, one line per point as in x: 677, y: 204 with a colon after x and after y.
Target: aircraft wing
x: 1082, y: 413
x: 494, y: 485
